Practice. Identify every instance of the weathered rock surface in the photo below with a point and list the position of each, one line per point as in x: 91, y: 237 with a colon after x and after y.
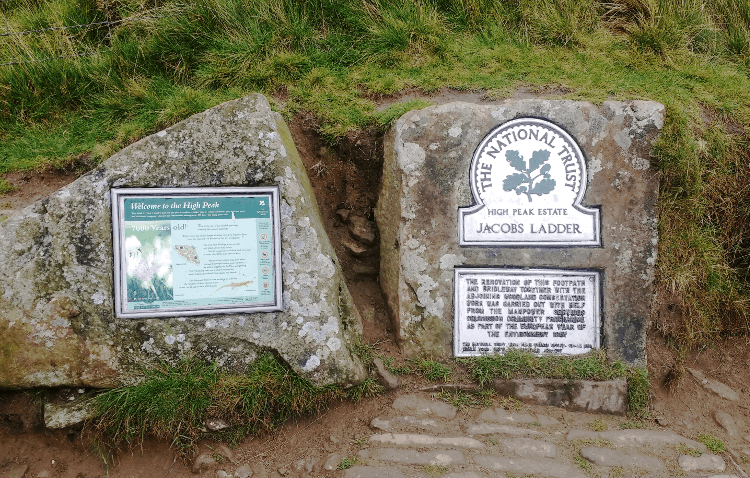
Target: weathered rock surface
x: 703, y: 463
x: 606, y: 457
x: 420, y: 406
x: 67, y: 414
x: 726, y: 422
x: 426, y: 179
x: 385, y: 378
x: 56, y: 310
x: 415, y: 439
x: 720, y: 389
x: 528, y: 448
x: 539, y: 466
x: 609, y: 396
x: 636, y: 438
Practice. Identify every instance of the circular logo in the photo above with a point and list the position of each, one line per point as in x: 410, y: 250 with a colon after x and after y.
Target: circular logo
x: 266, y: 285
x: 264, y: 254
x: 265, y: 270
x: 527, y: 161
x: 264, y: 237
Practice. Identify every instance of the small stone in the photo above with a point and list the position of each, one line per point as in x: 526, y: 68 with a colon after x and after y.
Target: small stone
x: 333, y: 461
x: 226, y: 452
x: 204, y: 459
x: 357, y: 249
x: 334, y: 439
x: 343, y: 214
x: 283, y: 471
x: 16, y: 471
x: 385, y: 378
x: 381, y: 424
x: 305, y: 465
x: 714, y: 386
x: 243, y: 471
x: 44, y: 474
x: 704, y: 463
x: 362, y: 229
x: 366, y: 270
x: 662, y: 421
x: 68, y: 414
x: 746, y: 438
x: 222, y: 474
x: 528, y: 448
x: 409, y: 439
x: 420, y: 406
x: 607, y: 457
x: 726, y: 422
x: 215, y: 424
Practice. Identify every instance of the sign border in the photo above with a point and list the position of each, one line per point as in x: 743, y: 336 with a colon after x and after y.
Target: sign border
x: 117, y: 198
x: 593, y: 211
x: 598, y: 291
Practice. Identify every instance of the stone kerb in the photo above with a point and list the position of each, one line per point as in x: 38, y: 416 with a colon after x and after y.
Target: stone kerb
x: 57, y: 324
x: 426, y: 181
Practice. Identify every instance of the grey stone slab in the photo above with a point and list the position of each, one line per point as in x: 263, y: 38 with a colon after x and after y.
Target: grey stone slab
x: 56, y: 307
x: 414, y: 457
x: 385, y: 378
x: 494, y: 428
x: 469, y: 474
x: 720, y: 389
x: 422, y: 406
x: 637, y: 438
x: 607, y: 457
x: 528, y: 448
x: 726, y: 422
x: 405, y: 422
x: 546, y: 421
x: 704, y: 463
x: 414, y: 439
x: 377, y: 472
x: 540, y: 466
x: 425, y: 181
x: 608, y: 396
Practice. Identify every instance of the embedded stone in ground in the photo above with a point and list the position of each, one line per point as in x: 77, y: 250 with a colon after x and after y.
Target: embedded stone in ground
x: 704, y: 463
x: 413, y: 457
x: 402, y: 422
x: 720, y: 389
x: 421, y: 406
x: 409, y: 439
x: 541, y: 466
x: 528, y: 448
x: 636, y: 438
x: 490, y: 428
x: 68, y: 414
x: 578, y: 395
x: 385, y: 378
x: 375, y: 472
x: 607, y: 457
x: 362, y: 229
x: 726, y: 422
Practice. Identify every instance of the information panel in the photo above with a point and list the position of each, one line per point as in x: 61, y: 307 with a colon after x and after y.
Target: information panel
x: 547, y: 311
x: 191, y: 251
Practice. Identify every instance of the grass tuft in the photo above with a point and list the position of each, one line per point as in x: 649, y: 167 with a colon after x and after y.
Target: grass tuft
x: 432, y: 370
x: 463, y: 399
x: 713, y: 444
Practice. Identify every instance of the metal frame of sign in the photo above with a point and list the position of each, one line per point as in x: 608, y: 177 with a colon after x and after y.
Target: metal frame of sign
x: 226, y: 305
x: 541, y: 272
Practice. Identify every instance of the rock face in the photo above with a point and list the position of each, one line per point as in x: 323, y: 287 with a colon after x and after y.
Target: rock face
x: 57, y: 326
x: 428, y: 155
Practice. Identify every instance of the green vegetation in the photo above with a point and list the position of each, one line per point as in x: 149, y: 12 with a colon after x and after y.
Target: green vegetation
x: 713, y: 444
x: 436, y: 470
x: 432, y: 370
x: 464, y: 399
x: 683, y: 449
x: 583, y: 464
x: 598, y: 425
x: 347, y: 462
x: 172, y: 402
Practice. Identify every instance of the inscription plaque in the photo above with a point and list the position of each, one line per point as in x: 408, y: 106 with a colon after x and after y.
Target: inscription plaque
x: 528, y: 178
x: 191, y: 251
x: 547, y: 311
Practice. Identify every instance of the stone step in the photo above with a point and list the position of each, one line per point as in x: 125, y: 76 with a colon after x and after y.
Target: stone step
x: 415, y: 439
x: 532, y: 466
x: 635, y: 437
x: 409, y: 423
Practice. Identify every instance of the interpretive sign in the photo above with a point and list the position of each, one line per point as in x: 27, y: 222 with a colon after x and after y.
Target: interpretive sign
x: 191, y: 251
x: 528, y: 177
x: 547, y: 311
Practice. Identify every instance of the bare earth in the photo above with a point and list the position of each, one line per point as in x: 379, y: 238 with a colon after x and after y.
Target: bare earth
x: 346, y: 177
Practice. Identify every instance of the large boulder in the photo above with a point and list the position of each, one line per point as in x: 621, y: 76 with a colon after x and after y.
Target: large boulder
x: 57, y: 325
x: 426, y: 179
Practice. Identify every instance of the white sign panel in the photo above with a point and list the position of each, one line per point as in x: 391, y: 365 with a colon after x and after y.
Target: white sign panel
x: 528, y: 178
x: 548, y: 311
